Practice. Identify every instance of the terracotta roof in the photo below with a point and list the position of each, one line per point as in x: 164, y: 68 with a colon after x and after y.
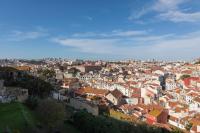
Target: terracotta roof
x: 173, y: 104
x: 116, y: 93
x: 195, y: 121
x: 187, y: 81
x: 90, y: 90
x: 187, y: 72
x: 192, y: 94
x: 194, y: 128
x: 136, y: 95
x: 128, y: 107
x: 23, y: 68
x: 197, y: 99
x: 155, y: 112
x: 177, y: 90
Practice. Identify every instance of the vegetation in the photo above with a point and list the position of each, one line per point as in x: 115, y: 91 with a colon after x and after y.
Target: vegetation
x: 184, y: 77
x: 188, y: 126
x: 51, y: 112
x: 36, y: 86
x: 16, y: 117
x: 7, y: 69
x: 35, y: 62
x: 176, y: 130
x: 46, y: 73
x: 87, y: 123
x: 47, y: 115
x: 198, y: 62
x: 32, y: 102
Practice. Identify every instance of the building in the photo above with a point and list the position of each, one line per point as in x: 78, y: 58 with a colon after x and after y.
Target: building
x: 88, y: 68
x: 157, y: 116
x: 115, y: 97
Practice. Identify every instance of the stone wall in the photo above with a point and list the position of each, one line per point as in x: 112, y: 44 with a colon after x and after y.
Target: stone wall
x: 83, y: 104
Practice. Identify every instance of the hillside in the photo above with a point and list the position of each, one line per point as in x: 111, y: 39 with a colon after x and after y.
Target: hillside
x: 16, y: 117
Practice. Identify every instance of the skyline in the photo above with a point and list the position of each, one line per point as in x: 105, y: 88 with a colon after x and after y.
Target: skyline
x: 114, y: 29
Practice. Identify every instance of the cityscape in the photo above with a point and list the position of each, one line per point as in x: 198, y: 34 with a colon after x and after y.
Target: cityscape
x: 164, y: 94
x: 110, y: 66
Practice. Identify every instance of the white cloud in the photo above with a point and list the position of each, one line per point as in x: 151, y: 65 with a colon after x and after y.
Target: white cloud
x: 159, y: 47
x: 139, y: 14
x: 114, y: 33
x: 169, y: 10
x: 129, y: 33
x: 85, y: 34
x: 100, y: 46
x: 18, y: 35
x: 177, y: 16
x: 167, y: 5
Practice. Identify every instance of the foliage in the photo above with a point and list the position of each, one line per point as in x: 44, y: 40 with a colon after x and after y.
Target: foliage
x: 51, y: 112
x: 15, y: 117
x: 46, y: 73
x: 32, y: 102
x: 35, y: 62
x: 188, y: 126
x: 35, y: 85
x: 198, y: 62
x: 184, y: 77
x: 7, y: 69
x: 87, y: 123
x: 176, y: 130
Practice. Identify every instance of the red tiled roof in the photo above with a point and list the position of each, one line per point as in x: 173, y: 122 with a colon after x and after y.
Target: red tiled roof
x: 23, y: 68
x: 187, y: 81
x: 187, y: 72
x: 116, y: 93
x: 90, y: 90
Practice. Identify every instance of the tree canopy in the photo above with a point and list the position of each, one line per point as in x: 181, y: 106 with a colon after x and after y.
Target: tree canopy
x: 51, y: 112
x: 184, y: 76
x: 88, y: 123
x: 35, y: 85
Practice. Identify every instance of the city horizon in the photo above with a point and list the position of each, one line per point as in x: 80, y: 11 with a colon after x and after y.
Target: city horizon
x: 100, y: 66
x: 139, y: 29
x: 106, y: 60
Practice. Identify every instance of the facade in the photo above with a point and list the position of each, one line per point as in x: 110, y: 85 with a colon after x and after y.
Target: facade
x: 115, y: 97
x: 88, y: 68
x: 157, y: 116
x: 170, y: 84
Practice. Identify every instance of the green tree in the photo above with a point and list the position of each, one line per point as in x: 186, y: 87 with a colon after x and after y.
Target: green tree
x: 32, y: 102
x: 188, y: 126
x: 46, y: 73
x: 88, y: 123
x: 51, y: 113
x: 184, y: 76
x: 36, y: 86
x: 176, y: 130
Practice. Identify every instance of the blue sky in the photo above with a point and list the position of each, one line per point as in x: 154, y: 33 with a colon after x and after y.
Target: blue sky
x: 100, y: 29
